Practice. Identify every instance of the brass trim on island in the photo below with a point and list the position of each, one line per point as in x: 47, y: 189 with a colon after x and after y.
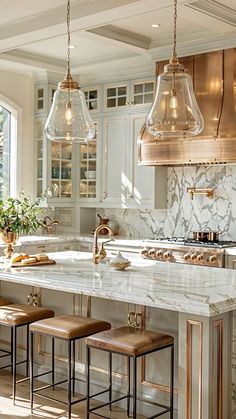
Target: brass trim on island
x: 218, y: 324
x: 199, y: 325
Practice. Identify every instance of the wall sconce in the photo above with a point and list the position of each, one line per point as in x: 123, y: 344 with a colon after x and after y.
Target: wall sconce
x: 208, y: 192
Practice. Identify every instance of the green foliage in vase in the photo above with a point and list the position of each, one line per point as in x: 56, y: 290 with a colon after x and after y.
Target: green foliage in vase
x: 21, y: 214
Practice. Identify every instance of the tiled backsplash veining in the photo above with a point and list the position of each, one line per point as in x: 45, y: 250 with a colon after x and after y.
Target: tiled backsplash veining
x: 184, y: 215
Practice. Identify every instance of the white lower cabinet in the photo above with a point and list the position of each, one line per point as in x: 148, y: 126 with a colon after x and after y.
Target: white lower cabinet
x: 124, y: 183
x: 230, y: 261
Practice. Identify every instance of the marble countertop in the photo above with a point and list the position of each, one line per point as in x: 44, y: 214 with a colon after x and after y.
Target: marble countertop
x: 184, y: 288
x: 68, y: 237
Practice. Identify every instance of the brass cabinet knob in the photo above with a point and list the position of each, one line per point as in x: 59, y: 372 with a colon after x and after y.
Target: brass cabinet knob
x: 186, y: 256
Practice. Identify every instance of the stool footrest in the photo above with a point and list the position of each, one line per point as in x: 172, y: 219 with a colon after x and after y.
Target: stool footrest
x: 54, y: 399
x: 159, y: 414
x: 107, y: 403
x: 22, y: 380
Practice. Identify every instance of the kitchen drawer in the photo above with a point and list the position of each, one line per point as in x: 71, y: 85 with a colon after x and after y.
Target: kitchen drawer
x: 84, y: 247
x: 67, y: 246
x: 42, y: 248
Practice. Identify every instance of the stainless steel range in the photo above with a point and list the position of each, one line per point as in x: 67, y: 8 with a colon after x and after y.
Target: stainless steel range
x: 185, y: 250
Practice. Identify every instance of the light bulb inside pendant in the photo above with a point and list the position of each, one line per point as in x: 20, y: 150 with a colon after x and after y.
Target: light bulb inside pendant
x: 175, y: 111
x: 69, y: 119
x: 69, y: 114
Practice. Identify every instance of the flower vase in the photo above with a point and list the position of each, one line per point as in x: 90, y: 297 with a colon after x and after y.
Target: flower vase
x: 10, y: 239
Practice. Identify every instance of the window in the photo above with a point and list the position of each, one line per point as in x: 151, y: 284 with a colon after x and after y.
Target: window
x: 5, y: 150
x: 10, y: 147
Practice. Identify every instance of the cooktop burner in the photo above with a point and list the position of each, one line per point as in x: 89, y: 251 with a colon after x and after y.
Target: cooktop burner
x: 186, y: 241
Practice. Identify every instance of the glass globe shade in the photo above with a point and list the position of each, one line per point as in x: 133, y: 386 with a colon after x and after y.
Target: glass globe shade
x: 69, y: 118
x: 175, y: 112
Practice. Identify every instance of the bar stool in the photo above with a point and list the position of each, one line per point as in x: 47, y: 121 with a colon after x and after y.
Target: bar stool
x: 15, y: 316
x: 133, y: 343
x: 69, y: 328
x: 4, y: 302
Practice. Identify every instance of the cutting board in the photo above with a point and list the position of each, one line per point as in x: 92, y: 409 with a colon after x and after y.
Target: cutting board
x: 40, y: 263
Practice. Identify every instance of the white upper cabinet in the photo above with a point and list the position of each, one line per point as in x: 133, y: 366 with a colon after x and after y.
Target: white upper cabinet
x: 115, y: 157
x: 124, y: 183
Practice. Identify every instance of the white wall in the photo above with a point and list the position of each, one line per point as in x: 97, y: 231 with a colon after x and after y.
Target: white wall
x: 19, y: 88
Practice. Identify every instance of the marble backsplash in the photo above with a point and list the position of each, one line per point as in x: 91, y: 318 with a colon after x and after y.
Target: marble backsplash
x: 184, y: 215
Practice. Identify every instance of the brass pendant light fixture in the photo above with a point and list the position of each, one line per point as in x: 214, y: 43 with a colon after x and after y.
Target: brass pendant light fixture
x: 175, y: 112
x: 69, y: 119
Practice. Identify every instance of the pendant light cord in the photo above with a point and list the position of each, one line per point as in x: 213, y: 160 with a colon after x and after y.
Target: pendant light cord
x: 68, y: 36
x: 174, y: 56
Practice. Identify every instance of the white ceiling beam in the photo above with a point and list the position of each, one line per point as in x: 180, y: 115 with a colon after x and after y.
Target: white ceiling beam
x: 33, y: 60
x: 128, y: 40
x: 85, y: 15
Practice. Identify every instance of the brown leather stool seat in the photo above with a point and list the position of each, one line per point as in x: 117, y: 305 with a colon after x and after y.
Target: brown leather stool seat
x: 133, y: 343
x: 4, y: 301
x: 69, y: 328
x: 15, y: 316
x: 22, y: 314
x: 129, y: 341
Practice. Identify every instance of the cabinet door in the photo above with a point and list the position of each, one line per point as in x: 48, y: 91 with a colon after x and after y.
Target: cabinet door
x: 140, y: 179
x: 115, y: 156
x: 230, y: 261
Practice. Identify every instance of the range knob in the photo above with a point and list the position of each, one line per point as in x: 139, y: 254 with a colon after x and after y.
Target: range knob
x: 144, y: 252
x: 186, y: 256
x: 151, y: 253
x: 212, y: 259
x: 159, y: 254
x: 193, y: 256
x: 200, y: 258
x: 167, y: 255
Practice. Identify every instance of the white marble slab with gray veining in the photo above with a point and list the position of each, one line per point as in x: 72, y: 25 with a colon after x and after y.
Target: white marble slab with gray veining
x: 193, y: 289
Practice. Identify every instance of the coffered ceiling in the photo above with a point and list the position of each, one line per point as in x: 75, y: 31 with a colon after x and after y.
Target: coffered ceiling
x: 110, y: 36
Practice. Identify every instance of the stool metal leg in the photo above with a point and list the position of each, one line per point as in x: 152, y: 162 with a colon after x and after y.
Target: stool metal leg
x: 73, y: 366
x: 88, y: 380
x: 69, y: 379
x: 53, y: 363
x: 31, y: 371
x: 14, y: 362
x: 110, y: 379
x: 172, y: 383
x: 134, y: 387
x: 11, y: 350
x: 27, y: 351
x: 128, y: 390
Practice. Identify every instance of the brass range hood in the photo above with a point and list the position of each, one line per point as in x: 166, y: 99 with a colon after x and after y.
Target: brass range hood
x: 214, y: 79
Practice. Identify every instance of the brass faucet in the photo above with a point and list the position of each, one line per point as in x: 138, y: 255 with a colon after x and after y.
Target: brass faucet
x: 97, y: 255
x: 48, y: 223
x: 200, y: 191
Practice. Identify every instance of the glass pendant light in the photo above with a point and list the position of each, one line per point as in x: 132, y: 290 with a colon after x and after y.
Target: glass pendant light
x: 175, y: 112
x: 69, y: 118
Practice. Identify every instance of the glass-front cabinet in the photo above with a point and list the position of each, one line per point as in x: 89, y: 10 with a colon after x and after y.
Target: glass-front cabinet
x: 61, y: 170
x: 39, y: 156
x: 88, y: 169
x: 128, y: 95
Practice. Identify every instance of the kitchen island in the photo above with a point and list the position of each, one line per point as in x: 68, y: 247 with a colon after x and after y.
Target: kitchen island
x: 201, y: 299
